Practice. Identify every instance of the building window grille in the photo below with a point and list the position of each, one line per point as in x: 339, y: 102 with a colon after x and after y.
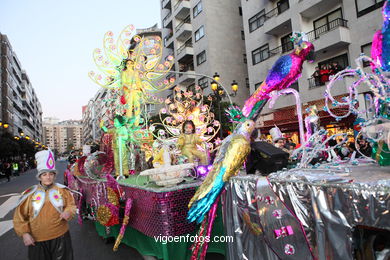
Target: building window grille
x: 256, y: 21
x: 366, y: 6
x: 201, y: 58
x: 199, y: 33
x: 203, y: 82
x: 366, y: 49
x: 260, y: 54
x: 197, y: 9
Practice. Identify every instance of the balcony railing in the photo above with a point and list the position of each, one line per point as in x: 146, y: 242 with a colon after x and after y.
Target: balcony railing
x: 178, y: 3
x: 166, y: 18
x: 164, y: 2
x: 282, y: 49
x: 315, y: 34
x: 188, y: 43
x: 181, y: 24
x: 277, y: 10
x: 185, y: 68
x: 166, y: 39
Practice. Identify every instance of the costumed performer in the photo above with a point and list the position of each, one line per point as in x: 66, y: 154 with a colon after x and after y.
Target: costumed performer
x: 120, y: 136
x: 42, y: 215
x: 132, y: 88
x: 187, y: 142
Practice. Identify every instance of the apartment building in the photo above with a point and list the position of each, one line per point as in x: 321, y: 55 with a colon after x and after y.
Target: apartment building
x: 206, y: 36
x: 92, y: 114
x: 339, y: 29
x: 20, y: 107
x: 64, y: 136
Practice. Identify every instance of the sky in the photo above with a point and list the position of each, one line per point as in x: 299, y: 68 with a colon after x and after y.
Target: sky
x: 54, y: 41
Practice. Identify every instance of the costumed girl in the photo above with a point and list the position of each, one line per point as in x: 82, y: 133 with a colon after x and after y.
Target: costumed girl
x: 187, y: 142
x: 42, y: 215
x: 132, y: 88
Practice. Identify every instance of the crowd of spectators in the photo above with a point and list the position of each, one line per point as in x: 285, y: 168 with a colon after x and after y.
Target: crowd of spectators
x: 321, y: 74
x: 13, y: 167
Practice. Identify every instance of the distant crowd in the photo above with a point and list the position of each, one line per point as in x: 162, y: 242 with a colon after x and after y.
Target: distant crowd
x: 13, y: 167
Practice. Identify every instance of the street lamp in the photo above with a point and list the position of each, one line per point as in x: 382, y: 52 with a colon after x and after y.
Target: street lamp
x: 216, y: 76
x: 5, y: 125
x: 220, y: 93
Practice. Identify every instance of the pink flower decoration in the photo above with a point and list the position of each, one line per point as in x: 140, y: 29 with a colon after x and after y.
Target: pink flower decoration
x: 172, y: 80
x: 38, y: 198
x: 277, y: 213
x: 56, y: 197
x: 289, y: 249
x: 167, y: 64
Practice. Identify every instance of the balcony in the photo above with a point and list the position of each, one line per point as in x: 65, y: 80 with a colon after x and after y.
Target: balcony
x: 186, y: 80
x: 277, y: 21
x: 184, y: 29
x: 164, y: 4
x: 333, y: 35
x: 182, y: 9
x: 167, y: 19
x: 282, y: 49
x: 168, y: 40
x: 316, y: 8
x: 185, y: 49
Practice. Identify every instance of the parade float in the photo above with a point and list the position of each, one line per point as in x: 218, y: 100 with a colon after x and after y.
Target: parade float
x: 314, y: 211
x: 137, y: 187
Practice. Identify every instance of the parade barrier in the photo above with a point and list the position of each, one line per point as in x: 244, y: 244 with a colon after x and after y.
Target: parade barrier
x: 308, y: 213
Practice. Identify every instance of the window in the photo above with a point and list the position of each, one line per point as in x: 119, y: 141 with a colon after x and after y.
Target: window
x: 247, y: 82
x: 260, y: 54
x: 197, y: 9
x: 365, y: 6
x: 257, y: 85
x: 240, y: 10
x: 328, y: 22
x: 203, y: 82
x: 282, y: 5
x: 287, y: 44
x: 366, y: 49
x: 199, y: 33
x: 256, y: 21
x: 201, y: 57
x: 245, y: 59
x: 242, y: 35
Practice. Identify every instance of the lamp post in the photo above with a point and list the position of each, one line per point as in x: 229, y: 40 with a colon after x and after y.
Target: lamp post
x: 219, y: 93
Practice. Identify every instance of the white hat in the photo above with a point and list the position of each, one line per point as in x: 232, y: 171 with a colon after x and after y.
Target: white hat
x: 276, y: 134
x: 45, y: 162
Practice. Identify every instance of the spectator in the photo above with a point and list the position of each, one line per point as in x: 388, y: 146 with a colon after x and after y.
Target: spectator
x: 364, y: 147
x: 324, y: 73
x: 335, y: 68
x: 317, y: 76
x: 7, y: 169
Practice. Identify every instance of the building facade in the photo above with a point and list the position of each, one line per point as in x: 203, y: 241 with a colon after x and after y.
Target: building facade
x: 340, y: 31
x: 20, y: 107
x: 95, y: 111
x: 204, y: 42
x: 62, y: 137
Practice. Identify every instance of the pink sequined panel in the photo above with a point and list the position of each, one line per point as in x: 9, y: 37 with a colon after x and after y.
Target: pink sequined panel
x: 152, y: 213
